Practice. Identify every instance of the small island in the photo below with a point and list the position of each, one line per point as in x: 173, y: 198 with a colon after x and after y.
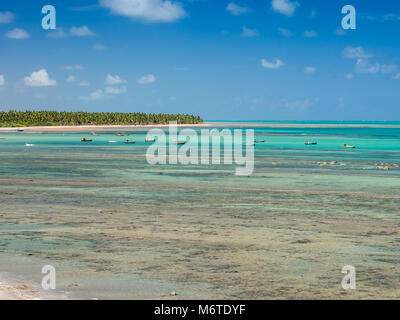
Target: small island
x: 14, y: 118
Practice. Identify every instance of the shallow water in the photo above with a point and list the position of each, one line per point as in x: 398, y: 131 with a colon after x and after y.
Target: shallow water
x: 116, y: 227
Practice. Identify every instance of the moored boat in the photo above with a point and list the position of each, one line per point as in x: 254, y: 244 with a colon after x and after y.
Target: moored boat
x: 85, y: 140
x: 345, y: 146
x: 310, y: 143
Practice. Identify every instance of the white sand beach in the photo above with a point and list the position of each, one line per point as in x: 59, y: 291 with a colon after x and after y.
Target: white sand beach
x: 97, y: 127
x: 17, y: 289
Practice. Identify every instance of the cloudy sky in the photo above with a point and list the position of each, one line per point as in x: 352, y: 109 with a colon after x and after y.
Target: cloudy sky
x: 241, y: 59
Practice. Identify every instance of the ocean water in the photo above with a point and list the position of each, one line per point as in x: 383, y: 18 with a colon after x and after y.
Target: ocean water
x: 116, y: 227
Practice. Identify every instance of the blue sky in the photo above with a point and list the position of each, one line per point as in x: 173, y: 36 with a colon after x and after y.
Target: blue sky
x: 226, y: 60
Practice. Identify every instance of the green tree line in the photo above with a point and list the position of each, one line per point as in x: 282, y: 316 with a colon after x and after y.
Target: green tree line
x: 14, y: 118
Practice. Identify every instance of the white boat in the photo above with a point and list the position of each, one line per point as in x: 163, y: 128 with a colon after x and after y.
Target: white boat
x: 29, y: 145
x: 310, y: 143
x: 112, y: 141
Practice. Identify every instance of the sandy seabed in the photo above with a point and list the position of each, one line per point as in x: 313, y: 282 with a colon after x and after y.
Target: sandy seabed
x: 116, y: 227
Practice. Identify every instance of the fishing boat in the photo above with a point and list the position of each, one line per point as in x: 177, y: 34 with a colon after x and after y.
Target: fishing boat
x: 345, y: 146
x: 129, y: 142
x: 149, y: 140
x: 310, y: 143
x: 86, y: 140
x: 258, y: 141
x: 20, y: 130
x: 180, y: 142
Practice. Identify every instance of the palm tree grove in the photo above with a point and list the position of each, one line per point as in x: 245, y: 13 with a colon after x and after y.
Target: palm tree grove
x: 53, y: 118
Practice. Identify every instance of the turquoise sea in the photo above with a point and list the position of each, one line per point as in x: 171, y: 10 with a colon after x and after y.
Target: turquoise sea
x: 116, y: 227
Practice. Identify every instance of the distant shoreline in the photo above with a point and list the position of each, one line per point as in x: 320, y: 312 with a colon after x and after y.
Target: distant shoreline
x: 98, y: 127
x: 209, y: 124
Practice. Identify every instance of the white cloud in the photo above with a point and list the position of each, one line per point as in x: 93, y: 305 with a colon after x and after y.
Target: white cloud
x: 84, y: 84
x: 39, y: 79
x: 6, y: 17
x: 81, y: 31
x: 310, y: 70
x: 96, y: 95
x: 364, y: 66
x: 300, y: 105
x: 397, y: 76
x: 112, y: 90
x: 272, y: 65
x: 388, y: 68
x: 146, y: 10
x: 17, y: 34
x: 349, y: 76
x: 147, y: 79
x: 71, y: 79
x: 310, y: 34
x: 235, y: 9
x: 73, y: 68
x: 2, y: 80
x: 248, y: 33
x: 286, y: 7
x: 99, y: 47
x: 285, y: 32
x: 391, y: 17
x: 113, y: 79
x: 258, y: 100
x: 355, y: 53
x: 57, y: 34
